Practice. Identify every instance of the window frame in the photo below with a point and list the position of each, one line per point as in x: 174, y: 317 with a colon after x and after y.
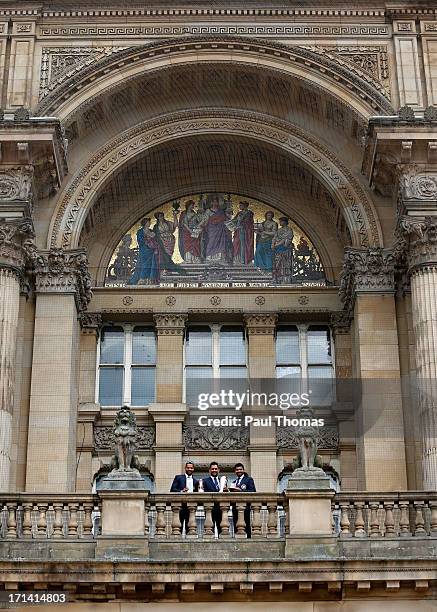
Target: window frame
x: 127, y: 365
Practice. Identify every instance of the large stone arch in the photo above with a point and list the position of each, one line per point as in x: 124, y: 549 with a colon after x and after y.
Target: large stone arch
x: 79, y: 195
x: 345, y: 82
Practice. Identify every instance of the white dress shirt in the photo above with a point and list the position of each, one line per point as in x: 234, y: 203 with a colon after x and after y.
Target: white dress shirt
x: 189, y: 483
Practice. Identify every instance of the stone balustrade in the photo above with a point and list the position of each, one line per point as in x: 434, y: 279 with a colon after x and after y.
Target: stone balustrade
x: 385, y: 515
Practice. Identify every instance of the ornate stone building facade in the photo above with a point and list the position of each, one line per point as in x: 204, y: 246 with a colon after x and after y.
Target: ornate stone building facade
x: 228, y: 190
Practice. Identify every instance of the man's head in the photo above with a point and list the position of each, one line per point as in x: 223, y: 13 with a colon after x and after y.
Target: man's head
x: 214, y: 468
x: 189, y: 468
x: 238, y: 469
x: 283, y: 221
x: 159, y: 216
x: 145, y: 222
x: 244, y: 205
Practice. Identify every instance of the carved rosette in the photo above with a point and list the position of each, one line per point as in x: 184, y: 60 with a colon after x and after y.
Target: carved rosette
x: 366, y: 271
x: 420, y: 241
x: 16, y: 184
x: 16, y: 244
x: 90, y: 322
x: 260, y: 323
x: 170, y: 324
x: 59, y: 271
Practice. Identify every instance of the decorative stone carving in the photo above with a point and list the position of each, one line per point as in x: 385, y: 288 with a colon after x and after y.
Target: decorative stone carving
x: 217, y: 438
x: 430, y: 113
x: 90, y: 322
x: 406, y: 113
x: 341, y: 322
x: 16, y: 243
x: 261, y: 323
x: 420, y: 236
x: 104, y: 437
x: 170, y: 324
x: 170, y: 300
x: 16, y: 184
x: 416, y: 185
x: 326, y: 439
x: 22, y: 114
x: 307, y: 459
x: 260, y: 300
x: 59, y: 271
x: 370, y: 270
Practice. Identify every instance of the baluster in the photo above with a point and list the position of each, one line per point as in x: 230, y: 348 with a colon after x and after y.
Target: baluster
x: 11, y: 520
x: 58, y: 531
x: 88, y: 520
x: 433, y: 518
x: 72, y: 522
x: 359, y: 520
x: 175, y: 519
x: 160, y: 520
x: 42, y: 520
x: 256, y: 522
x: 404, y: 518
x: 345, y: 523
x: 208, y: 529
x: 272, y: 521
x: 27, y: 520
x: 375, y: 530
x: 224, y: 507
x: 389, y: 518
x: 420, y: 520
x: 146, y: 519
x: 192, y: 524
x: 240, y: 527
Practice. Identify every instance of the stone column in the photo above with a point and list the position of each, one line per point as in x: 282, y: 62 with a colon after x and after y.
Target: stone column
x: 262, y: 362
x: 367, y: 287
x: 422, y: 265
x: 169, y: 412
x: 15, y: 247
x: 63, y: 290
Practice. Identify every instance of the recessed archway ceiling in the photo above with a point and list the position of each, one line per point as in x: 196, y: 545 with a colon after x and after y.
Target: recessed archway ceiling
x: 218, y: 86
x: 225, y: 164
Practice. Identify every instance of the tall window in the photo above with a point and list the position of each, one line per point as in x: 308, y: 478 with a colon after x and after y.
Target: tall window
x: 127, y: 363
x: 304, y: 360
x: 214, y: 353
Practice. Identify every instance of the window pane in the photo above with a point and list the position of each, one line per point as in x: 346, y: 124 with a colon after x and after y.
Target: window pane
x: 111, y: 386
x: 197, y: 380
x: 233, y: 378
x: 319, y: 345
x: 288, y: 379
x: 143, y: 346
x: 143, y: 386
x: 288, y: 372
x: 112, y: 345
x: 321, y: 384
x: 198, y: 346
x: 287, y: 345
x: 232, y: 346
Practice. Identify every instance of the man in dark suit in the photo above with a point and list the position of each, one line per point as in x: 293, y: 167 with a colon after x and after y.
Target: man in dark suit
x: 211, y: 484
x: 185, y: 483
x: 242, y: 484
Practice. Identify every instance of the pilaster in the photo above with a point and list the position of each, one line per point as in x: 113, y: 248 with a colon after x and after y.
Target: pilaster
x: 170, y: 330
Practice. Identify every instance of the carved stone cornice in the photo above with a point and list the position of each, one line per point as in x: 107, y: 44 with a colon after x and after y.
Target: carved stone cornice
x: 261, y: 323
x: 59, y: 271
x: 90, y: 322
x: 418, y: 236
x: 366, y: 271
x: 16, y: 243
x: 170, y: 324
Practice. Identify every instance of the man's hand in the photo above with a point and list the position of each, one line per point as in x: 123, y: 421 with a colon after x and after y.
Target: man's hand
x: 184, y: 490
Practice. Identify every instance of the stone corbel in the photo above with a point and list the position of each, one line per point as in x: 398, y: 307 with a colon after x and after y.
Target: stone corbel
x: 59, y: 271
x: 170, y: 324
x: 260, y: 323
x: 91, y: 323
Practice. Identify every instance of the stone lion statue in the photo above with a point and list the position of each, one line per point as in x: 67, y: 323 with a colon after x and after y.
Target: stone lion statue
x: 125, y: 433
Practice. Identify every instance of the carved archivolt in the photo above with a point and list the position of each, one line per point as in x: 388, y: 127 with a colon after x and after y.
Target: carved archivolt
x: 79, y: 196
x: 338, y: 78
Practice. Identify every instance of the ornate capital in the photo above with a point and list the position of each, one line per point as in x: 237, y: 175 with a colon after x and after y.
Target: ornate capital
x: 366, y: 271
x: 90, y: 322
x: 59, y: 271
x: 261, y: 323
x: 419, y: 238
x: 16, y: 243
x: 170, y: 324
x: 341, y: 322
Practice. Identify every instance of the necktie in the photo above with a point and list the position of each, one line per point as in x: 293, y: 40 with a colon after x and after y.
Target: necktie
x: 217, y: 486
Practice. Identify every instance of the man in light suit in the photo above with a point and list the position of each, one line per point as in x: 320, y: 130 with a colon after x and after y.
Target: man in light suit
x: 242, y: 484
x: 212, y: 485
x: 185, y: 483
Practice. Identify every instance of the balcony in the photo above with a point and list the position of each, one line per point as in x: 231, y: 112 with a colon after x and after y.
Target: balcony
x: 375, y: 541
